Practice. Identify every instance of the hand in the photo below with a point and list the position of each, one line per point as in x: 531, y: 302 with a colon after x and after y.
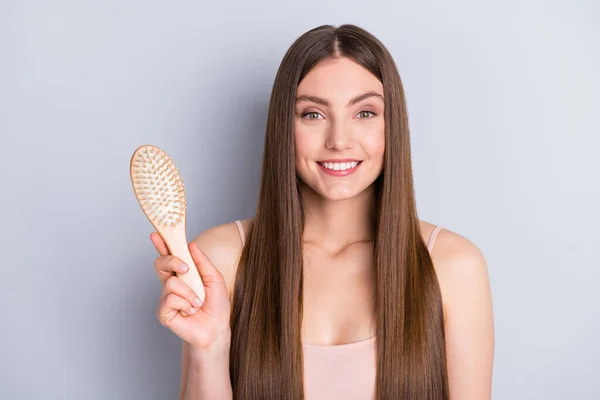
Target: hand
x: 202, y: 326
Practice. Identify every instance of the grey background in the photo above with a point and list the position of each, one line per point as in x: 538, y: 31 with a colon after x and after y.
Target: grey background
x: 503, y: 101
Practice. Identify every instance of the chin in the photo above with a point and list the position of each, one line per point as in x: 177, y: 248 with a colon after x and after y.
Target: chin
x: 339, y: 193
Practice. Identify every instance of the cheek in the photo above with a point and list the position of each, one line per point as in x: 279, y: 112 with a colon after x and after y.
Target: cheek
x: 374, y: 143
x: 305, y: 143
x: 301, y: 149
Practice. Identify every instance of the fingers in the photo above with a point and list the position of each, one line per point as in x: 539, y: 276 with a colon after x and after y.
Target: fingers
x: 167, y: 266
x: 159, y: 244
x: 176, y: 286
x: 170, y: 306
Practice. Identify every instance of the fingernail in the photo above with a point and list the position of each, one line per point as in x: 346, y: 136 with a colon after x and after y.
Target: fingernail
x: 183, y: 267
x: 193, y: 310
x: 198, y: 301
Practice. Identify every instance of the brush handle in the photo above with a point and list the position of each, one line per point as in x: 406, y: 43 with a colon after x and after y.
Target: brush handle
x: 177, y: 243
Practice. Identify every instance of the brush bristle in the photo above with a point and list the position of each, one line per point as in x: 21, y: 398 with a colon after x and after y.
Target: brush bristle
x: 158, y: 186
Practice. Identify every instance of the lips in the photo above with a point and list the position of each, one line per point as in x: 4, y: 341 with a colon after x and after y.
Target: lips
x: 339, y: 172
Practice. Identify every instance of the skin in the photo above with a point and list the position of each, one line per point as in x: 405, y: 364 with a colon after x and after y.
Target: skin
x: 338, y: 241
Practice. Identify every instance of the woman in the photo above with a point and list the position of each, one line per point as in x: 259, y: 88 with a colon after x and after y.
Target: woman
x: 335, y: 289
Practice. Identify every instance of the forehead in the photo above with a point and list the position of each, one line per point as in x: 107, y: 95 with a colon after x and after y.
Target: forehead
x: 339, y: 78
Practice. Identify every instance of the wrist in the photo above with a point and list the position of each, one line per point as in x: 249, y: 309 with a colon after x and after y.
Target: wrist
x: 218, y: 350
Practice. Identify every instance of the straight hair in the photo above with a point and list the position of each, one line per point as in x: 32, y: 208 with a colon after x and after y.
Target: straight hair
x: 266, y: 356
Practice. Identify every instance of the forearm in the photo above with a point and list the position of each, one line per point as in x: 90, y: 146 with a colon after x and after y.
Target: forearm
x: 208, y: 376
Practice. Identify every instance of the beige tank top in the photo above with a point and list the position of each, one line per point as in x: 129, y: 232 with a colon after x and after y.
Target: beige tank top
x: 345, y: 371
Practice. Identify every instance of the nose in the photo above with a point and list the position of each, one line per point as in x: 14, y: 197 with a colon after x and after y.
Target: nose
x: 339, y: 136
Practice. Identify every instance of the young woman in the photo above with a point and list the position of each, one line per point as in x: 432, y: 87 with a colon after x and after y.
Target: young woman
x: 335, y: 289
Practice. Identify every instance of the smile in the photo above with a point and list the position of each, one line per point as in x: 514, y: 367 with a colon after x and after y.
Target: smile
x: 339, y: 169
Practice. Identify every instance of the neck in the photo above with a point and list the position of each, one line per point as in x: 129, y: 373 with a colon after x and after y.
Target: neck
x: 336, y: 224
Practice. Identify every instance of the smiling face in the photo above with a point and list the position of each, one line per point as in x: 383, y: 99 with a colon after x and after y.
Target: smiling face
x: 338, y: 123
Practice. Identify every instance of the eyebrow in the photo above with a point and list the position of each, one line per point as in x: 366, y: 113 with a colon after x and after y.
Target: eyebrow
x: 324, y: 102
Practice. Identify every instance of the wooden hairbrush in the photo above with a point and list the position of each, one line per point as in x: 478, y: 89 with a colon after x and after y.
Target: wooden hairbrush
x: 161, y: 194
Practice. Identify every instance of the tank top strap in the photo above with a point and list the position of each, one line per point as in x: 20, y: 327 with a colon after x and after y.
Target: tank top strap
x: 432, y: 237
x: 241, y: 230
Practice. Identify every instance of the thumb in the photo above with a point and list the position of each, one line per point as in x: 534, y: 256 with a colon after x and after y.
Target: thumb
x: 209, y: 274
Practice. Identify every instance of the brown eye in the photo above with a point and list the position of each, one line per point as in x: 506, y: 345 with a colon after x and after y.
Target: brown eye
x: 311, y: 115
x: 363, y: 113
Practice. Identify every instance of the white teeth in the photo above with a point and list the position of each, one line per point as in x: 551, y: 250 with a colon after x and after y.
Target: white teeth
x: 340, y: 166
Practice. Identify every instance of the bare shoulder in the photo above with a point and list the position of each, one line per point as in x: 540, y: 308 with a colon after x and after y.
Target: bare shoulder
x: 458, y: 263
x: 222, y: 245
x: 468, y: 314
x: 455, y: 258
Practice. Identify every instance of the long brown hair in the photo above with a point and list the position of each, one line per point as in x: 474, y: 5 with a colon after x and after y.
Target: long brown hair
x: 266, y: 359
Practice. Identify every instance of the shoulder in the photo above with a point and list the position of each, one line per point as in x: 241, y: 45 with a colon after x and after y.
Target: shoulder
x: 457, y: 258
x: 459, y: 264
x: 462, y: 274
x: 222, y: 245
x: 451, y: 248
x: 468, y: 314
